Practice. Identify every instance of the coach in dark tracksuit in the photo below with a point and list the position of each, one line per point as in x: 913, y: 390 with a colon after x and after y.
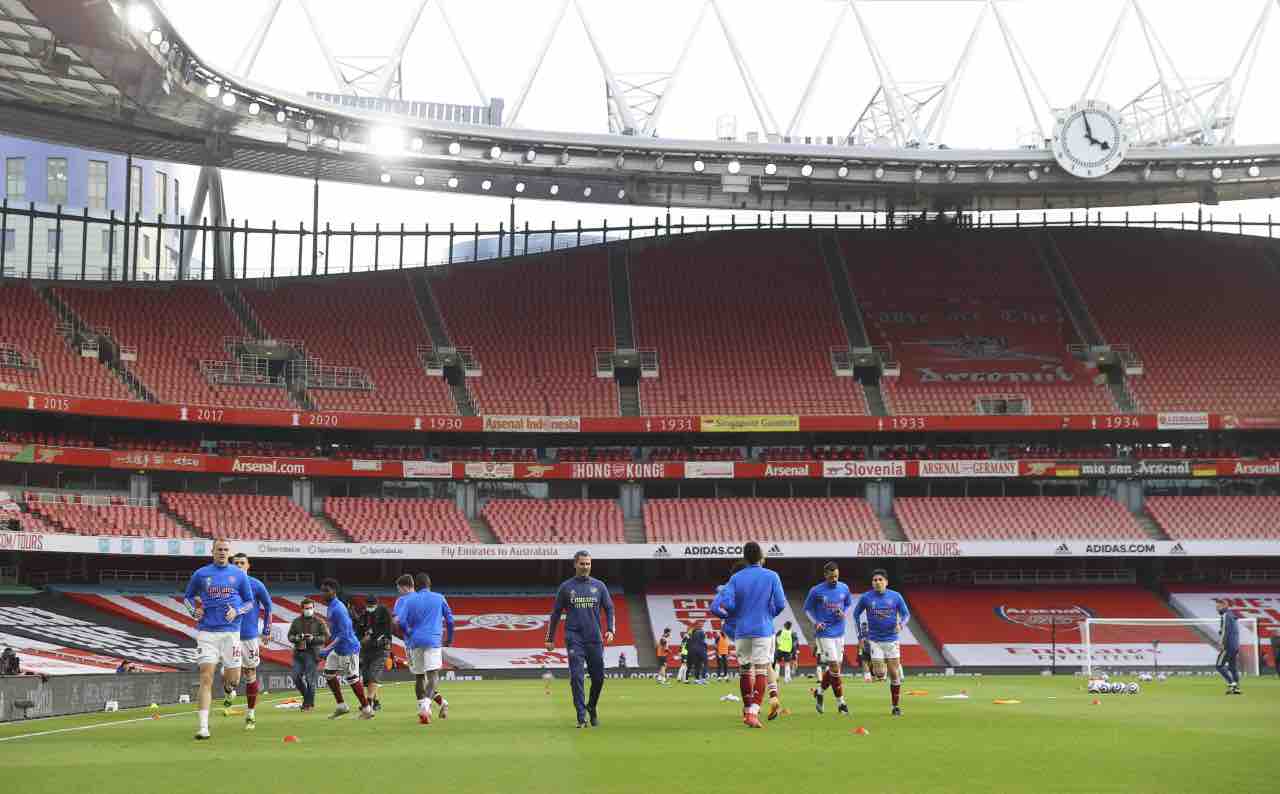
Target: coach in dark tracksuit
x: 1229, y: 643
x: 697, y: 655
x: 580, y: 599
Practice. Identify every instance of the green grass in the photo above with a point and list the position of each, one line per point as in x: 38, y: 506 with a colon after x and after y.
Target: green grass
x: 508, y: 736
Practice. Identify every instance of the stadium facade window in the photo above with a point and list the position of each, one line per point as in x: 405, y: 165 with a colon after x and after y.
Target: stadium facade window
x: 10, y: 239
x: 177, y: 199
x: 52, y: 245
x: 106, y: 240
x: 135, y: 189
x: 15, y: 178
x: 56, y: 180
x: 145, y: 253
x: 162, y: 191
x: 98, y: 185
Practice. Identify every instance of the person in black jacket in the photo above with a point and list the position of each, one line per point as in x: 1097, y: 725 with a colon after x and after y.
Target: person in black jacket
x: 698, y: 656
x: 10, y: 663
x: 308, y: 633
x: 374, y: 632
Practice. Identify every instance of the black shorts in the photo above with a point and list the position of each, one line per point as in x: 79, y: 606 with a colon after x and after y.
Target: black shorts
x: 373, y: 663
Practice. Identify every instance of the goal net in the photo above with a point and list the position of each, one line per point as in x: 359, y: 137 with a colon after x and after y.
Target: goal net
x: 1155, y: 645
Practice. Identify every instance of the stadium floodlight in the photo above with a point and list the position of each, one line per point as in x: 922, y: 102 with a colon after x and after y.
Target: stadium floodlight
x: 619, y: 161
x: 386, y: 140
x: 156, y: 37
x: 917, y: 174
x: 699, y: 166
x: 455, y: 148
x: 734, y: 166
x: 1180, y: 172
x: 842, y: 171
x: 165, y: 46
x: 1255, y: 171
x: 991, y: 173
x: 1216, y: 172
x: 770, y: 169
x: 622, y: 193
x: 1033, y: 174
x: 564, y: 157
x: 310, y: 124
x: 416, y: 143
x: 659, y: 161
x: 586, y: 192
x: 554, y: 190
x: 806, y: 170
x: 228, y: 100
x: 1146, y: 173
x: 452, y: 182
x: 530, y: 156
x: 419, y: 180
x: 519, y: 187
x: 486, y: 184
x: 952, y: 174
x: 140, y: 18
x: 879, y: 172
x: 254, y: 108
x: 212, y: 90
x: 495, y: 152
x: 384, y: 178
x: 281, y: 117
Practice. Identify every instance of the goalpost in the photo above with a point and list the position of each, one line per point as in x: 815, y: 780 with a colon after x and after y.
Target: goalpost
x: 1157, y: 645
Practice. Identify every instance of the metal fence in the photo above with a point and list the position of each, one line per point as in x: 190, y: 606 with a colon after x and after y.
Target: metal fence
x: 48, y: 243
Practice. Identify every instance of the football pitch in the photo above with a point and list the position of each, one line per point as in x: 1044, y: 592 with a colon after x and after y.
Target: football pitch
x: 1179, y: 735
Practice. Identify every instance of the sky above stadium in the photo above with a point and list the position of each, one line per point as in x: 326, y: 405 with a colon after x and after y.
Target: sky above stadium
x: 781, y: 41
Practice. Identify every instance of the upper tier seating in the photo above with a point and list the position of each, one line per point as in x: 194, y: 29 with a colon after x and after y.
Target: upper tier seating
x: 1217, y: 517
x: 958, y: 309
x: 174, y: 329
x: 27, y: 324
x: 368, y: 520
x: 534, y: 326
x: 743, y: 324
x: 737, y: 520
x: 1200, y: 312
x: 1015, y: 518
x: 239, y: 516
x: 555, y: 520
x: 370, y: 322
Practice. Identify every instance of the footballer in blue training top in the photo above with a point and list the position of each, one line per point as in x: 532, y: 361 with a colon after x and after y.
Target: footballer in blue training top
x: 342, y: 654
x: 250, y: 653
x: 827, y: 605
x: 580, y: 600
x: 424, y: 616
x: 886, y: 615
x: 217, y: 596
x: 752, y: 599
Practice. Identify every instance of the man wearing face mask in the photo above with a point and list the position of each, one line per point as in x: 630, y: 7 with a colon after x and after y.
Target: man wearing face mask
x: 375, y: 644
x: 307, y: 634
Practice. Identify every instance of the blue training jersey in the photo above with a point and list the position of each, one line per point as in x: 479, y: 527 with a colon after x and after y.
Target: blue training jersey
x: 260, y: 604
x: 827, y: 604
x: 1229, y: 631
x: 421, y: 616
x: 581, y: 600
x: 727, y: 624
x: 884, y: 612
x: 343, y: 635
x: 219, y: 587
x: 753, y: 598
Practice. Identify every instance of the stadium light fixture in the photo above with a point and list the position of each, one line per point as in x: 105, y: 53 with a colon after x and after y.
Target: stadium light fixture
x: 228, y: 100
x: 452, y: 182
x: 386, y: 140
x: 455, y: 148
x: 952, y: 174
x: 486, y: 184
x: 586, y: 192
x: 554, y: 190
x: 806, y: 170
x: 254, y: 108
x: 619, y: 161
x: 156, y: 37
x: 991, y: 173
x: 419, y: 180
x: 495, y: 152
x: 879, y: 172
x: 1255, y: 171
x: 770, y: 169
x: 1033, y: 174
x: 622, y: 193
x: 384, y: 178
x: 564, y: 157
x: 842, y: 171
x: 1146, y: 173
x: 659, y: 161
x: 530, y: 156
x: 281, y: 117
x: 699, y: 166
x: 1180, y: 172
x: 734, y: 166
x: 519, y: 187
x: 917, y: 174
x: 416, y: 143
x: 1216, y: 172
x: 140, y: 18
x: 212, y: 90
x: 310, y: 124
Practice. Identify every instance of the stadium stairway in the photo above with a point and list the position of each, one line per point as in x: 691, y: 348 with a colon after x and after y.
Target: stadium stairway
x: 433, y: 321
x: 164, y: 510
x: 633, y: 530
x: 850, y: 315
x: 483, y: 531
x: 1148, y: 524
x: 242, y: 311
x: 641, y: 629
x: 1069, y: 295
x: 926, y: 640
x: 891, y: 528
x: 624, y: 330
x: 109, y: 350
x: 335, y: 533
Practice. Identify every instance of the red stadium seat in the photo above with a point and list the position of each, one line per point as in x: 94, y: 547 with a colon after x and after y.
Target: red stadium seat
x: 367, y: 520
x: 555, y: 520
x: 1217, y: 517
x: 735, y: 520
x: 1015, y: 518
x: 240, y: 516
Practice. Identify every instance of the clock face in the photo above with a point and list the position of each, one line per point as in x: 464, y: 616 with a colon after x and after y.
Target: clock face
x: 1089, y: 140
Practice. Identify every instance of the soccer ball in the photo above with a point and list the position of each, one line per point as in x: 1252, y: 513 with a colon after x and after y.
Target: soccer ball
x: 1133, y: 688
x: 1162, y: 677
x: 1144, y: 676
x: 1093, y: 687
x: 1117, y: 688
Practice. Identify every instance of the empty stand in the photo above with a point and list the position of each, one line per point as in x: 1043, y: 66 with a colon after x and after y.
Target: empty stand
x: 743, y: 324
x: 1206, y: 319
x: 239, y: 516
x: 555, y: 520
x: 399, y: 520
x: 534, y: 325
x: 173, y: 329
x: 968, y: 318
x: 367, y: 322
x: 736, y: 520
x: 1217, y: 517
x: 1015, y: 518
x: 104, y: 516
x: 27, y: 324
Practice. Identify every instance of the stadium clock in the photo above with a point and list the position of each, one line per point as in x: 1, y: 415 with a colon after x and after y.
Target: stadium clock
x: 1089, y: 140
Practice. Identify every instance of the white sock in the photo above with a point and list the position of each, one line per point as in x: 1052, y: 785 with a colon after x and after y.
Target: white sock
x: 249, y: 713
x: 204, y: 719
x: 840, y: 700
x: 424, y: 706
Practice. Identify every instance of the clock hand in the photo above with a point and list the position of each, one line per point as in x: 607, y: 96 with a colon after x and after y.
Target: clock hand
x: 1088, y: 131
